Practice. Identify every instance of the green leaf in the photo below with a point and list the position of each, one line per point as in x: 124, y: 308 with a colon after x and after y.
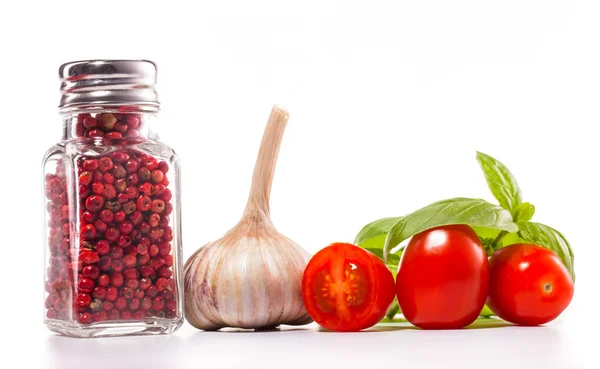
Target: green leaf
x: 473, y: 212
x: 486, y: 311
x: 484, y: 232
x: 509, y: 239
x: 549, y: 238
x: 374, y: 243
x: 374, y: 233
x: 488, y: 235
x: 372, y: 238
x: 393, y: 260
x: 523, y: 212
x: 501, y: 182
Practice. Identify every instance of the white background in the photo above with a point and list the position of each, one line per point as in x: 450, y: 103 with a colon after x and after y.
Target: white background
x: 388, y: 102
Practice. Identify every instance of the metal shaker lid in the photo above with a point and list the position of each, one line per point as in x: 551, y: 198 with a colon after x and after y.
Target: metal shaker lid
x: 108, y: 83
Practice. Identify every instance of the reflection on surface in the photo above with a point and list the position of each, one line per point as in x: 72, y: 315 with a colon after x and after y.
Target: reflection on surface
x: 122, y: 352
x: 507, y: 347
x: 307, y: 347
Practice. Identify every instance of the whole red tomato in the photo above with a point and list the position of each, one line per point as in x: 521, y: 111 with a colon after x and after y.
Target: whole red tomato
x: 443, y: 278
x: 347, y: 288
x: 529, y: 285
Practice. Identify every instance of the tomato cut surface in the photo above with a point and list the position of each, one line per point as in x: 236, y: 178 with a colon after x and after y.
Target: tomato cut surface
x: 346, y: 288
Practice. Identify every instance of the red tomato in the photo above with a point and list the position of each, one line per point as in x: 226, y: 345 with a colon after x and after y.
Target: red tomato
x: 443, y: 278
x: 529, y: 284
x: 347, y: 288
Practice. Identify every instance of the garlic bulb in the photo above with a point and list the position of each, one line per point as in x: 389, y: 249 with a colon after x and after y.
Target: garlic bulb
x: 250, y: 278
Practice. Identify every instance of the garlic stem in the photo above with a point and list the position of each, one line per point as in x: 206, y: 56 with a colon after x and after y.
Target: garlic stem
x: 264, y: 169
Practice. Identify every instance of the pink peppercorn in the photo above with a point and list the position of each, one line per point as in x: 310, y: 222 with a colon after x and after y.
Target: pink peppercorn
x: 122, y: 263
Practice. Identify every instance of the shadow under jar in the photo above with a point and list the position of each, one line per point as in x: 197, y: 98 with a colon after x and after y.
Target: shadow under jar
x: 112, y: 207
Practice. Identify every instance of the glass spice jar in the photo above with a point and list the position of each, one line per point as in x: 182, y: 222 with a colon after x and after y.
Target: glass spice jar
x: 112, y: 207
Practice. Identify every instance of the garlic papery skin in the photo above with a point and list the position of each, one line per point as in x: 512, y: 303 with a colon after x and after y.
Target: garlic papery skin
x: 250, y: 278
x: 246, y: 280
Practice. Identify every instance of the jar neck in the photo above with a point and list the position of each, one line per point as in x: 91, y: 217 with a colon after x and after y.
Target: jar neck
x: 109, y: 123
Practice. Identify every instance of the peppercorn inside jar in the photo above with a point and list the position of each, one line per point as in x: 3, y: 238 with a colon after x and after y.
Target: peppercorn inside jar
x: 112, y: 207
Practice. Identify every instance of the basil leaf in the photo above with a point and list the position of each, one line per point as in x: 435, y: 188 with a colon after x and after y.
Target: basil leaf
x: 486, y: 311
x: 393, y: 260
x: 373, y: 243
x: 484, y: 232
x: 509, y: 239
x: 501, y: 182
x: 549, y: 238
x: 523, y: 212
x: 375, y: 232
x: 473, y: 212
x: 487, y: 237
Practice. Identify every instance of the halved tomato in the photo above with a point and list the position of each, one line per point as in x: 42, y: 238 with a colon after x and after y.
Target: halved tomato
x: 347, y: 288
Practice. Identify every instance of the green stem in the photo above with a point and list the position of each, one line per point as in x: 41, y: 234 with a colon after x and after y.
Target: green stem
x: 498, y: 239
x: 394, y: 309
